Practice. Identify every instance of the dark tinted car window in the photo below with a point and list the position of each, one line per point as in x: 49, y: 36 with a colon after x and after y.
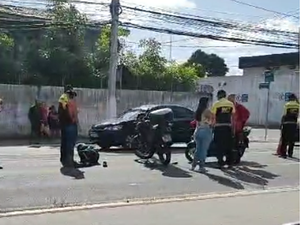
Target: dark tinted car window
x: 130, y: 115
x: 181, y: 112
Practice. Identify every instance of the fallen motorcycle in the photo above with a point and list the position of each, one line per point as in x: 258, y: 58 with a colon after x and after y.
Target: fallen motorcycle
x: 154, y: 136
x: 239, y: 149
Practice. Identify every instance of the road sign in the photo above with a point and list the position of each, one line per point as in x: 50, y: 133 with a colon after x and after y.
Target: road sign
x: 286, y: 96
x: 269, y: 76
x: 244, y: 98
x: 265, y: 85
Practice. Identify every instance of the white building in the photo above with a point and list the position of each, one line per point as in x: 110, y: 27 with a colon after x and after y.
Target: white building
x: 286, y: 80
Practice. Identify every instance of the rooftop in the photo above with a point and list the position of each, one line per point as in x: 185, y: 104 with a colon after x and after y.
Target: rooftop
x: 291, y: 58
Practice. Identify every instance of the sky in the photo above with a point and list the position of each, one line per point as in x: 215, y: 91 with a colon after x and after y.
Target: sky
x: 182, y: 47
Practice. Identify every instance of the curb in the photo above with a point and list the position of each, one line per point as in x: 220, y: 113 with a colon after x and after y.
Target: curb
x: 148, y: 201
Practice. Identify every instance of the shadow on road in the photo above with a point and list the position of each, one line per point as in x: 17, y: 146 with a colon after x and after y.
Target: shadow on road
x: 251, y: 176
x: 169, y: 171
x: 72, y: 172
x: 225, y: 181
x: 295, y: 159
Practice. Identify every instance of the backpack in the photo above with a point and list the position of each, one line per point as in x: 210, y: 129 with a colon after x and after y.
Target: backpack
x: 88, y: 154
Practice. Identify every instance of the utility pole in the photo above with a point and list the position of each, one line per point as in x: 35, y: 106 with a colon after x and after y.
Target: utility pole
x: 170, y: 58
x: 113, y: 63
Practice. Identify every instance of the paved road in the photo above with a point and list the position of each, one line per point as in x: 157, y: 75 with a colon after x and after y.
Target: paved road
x: 259, y: 210
x: 32, y: 178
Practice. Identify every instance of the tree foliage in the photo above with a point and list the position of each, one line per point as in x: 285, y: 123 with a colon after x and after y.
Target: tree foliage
x: 7, y: 67
x: 60, y: 54
x: 156, y: 72
x: 213, y: 65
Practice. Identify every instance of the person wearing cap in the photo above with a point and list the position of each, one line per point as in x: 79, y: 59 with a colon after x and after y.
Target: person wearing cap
x: 67, y: 112
x: 223, y: 111
x: 289, y: 126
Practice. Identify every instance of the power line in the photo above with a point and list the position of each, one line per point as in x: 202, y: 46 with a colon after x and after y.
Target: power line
x: 214, y: 37
x: 262, y: 8
x: 216, y: 26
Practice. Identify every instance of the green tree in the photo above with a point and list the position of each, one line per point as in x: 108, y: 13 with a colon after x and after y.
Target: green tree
x: 101, y: 55
x: 180, y: 77
x: 213, y: 65
x: 151, y: 71
x: 61, y: 55
x: 7, y: 68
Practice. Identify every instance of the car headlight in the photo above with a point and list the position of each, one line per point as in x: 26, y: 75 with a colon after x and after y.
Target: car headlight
x: 117, y: 127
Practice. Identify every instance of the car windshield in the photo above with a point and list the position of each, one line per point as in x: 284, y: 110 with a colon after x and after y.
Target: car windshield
x: 130, y: 115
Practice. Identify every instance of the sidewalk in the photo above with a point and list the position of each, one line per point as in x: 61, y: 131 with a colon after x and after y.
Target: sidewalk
x: 271, y: 209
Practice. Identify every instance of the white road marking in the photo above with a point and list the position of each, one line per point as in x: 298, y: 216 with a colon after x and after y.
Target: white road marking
x: 147, y: 201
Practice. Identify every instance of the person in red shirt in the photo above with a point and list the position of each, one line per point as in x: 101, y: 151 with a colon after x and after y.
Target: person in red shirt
x: 241, y: 116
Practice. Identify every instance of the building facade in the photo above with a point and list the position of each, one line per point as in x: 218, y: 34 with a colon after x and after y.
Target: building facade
x: 246, y: 87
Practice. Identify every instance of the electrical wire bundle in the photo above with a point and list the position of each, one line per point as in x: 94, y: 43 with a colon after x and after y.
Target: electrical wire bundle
x: 170, y: 23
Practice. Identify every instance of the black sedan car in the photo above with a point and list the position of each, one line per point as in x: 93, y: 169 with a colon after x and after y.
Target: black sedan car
x: 119, y: 132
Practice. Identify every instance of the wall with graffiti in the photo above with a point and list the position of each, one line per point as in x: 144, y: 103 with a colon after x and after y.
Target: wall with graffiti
x: 92, y: 104
x: 255, y: 99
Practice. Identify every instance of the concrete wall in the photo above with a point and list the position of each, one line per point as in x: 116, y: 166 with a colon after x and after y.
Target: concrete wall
x: 282, y: 70
x: 245, y: 86
x: 92, y: 105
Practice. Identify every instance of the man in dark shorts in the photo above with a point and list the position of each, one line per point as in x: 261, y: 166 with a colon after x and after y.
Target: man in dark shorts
x: 223, y: 109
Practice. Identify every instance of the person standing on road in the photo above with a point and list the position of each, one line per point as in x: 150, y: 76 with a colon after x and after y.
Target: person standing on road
x: 223, y: 111
x: 241, y: 117
x: 289, y: 126
x: 68, y: 119
x: 203, y: 137
x: 35, y: 118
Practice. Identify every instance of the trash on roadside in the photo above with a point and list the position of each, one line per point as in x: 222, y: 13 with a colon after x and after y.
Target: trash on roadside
x: 104, y: 164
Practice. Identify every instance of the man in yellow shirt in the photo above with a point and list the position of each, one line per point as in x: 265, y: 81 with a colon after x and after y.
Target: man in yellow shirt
x: 289, y: 126
x: 223, y: 111
x: 67, y: 112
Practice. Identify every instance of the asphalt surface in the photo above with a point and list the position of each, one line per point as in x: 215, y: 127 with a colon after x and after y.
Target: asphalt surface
x: 262, y: 209
x: 32, y: 178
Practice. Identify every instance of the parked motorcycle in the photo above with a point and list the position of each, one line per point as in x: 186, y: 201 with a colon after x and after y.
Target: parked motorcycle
x: 240, y: 147
x: 154, y: 135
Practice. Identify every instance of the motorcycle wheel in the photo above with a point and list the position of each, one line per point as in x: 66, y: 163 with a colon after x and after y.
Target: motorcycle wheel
x: 165, y: 158
x: 190, y: 151
x: 142, y: 151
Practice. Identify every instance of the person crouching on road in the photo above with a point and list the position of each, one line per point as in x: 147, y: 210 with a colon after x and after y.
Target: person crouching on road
x: 223, y: 111
x: 289, y: 126
x: 68, y: 119
x: 203, y: 137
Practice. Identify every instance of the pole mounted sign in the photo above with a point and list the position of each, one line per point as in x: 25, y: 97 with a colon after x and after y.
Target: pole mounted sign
x: 269, y: 78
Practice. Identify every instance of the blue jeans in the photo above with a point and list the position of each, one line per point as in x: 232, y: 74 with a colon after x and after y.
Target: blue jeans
x: 203, y: 137
x: 68, y: 141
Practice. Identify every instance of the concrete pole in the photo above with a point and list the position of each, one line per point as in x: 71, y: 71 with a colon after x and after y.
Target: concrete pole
x: 112, y: 76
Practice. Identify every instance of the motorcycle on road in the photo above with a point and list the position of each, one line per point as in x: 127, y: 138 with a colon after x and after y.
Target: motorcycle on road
x: 240, y: 147
x: 153, y: 135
